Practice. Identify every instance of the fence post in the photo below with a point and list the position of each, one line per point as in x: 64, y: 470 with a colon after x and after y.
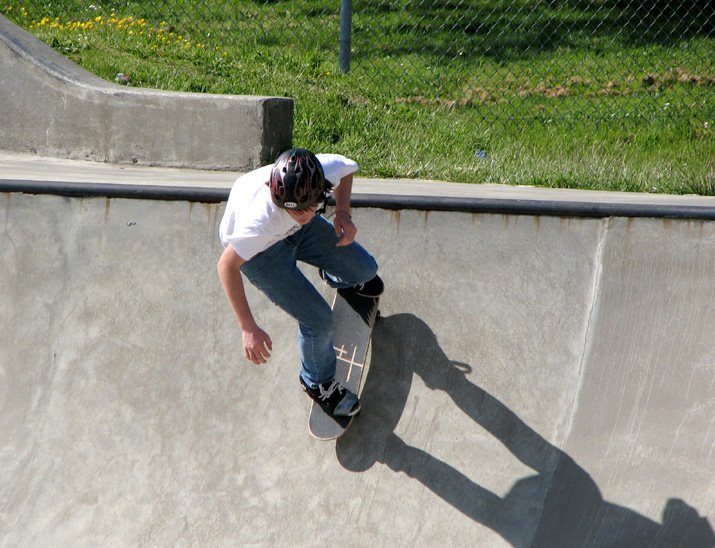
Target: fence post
x: 346, y: 23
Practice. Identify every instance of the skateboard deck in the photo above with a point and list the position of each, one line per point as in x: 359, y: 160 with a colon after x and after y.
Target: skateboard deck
x: 353, y: 320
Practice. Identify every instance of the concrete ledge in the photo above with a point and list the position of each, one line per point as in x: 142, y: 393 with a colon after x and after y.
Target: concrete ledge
x: 52, y: 107
x: 394, y: 201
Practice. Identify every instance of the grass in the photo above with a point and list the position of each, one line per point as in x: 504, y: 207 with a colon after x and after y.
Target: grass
x: 576, y: 94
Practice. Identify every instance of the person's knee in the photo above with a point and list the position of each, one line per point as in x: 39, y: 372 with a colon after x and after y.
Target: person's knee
x: 369, y: 270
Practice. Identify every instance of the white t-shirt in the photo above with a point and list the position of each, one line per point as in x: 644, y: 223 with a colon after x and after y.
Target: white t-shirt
x: 252, y: 222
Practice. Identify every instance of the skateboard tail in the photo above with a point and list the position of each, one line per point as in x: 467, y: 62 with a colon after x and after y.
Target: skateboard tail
x: 353, y: 320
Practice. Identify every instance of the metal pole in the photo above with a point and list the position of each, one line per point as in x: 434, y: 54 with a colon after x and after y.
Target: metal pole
x: 346, y: 23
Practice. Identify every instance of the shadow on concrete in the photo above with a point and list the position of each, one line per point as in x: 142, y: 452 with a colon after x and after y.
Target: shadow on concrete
x: 560, y: 505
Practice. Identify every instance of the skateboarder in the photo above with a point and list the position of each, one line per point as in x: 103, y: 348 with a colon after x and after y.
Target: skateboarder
x: 274, y: 219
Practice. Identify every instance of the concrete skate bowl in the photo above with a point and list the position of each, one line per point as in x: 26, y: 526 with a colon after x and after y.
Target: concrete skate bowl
x: 535, y: 380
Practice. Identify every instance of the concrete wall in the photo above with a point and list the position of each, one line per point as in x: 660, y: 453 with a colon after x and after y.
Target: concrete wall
x: 534, y: 381
x: 51, y: 107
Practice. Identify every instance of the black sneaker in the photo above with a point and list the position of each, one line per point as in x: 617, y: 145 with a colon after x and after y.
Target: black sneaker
x: 334, y: 398
x: 371, y: 289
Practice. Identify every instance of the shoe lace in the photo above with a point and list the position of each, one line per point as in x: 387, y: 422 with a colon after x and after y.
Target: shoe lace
x: 325, y: 393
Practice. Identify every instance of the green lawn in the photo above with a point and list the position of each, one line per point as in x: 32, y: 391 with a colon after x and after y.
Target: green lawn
x: 592, y: 94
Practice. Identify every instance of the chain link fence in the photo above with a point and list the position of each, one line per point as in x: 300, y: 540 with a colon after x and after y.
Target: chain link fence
x: 538, y: 54
x: 514, y: 58
x: 606, y: 94
x: 509, y: 60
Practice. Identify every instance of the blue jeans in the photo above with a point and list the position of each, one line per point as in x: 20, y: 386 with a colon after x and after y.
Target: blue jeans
x: 275, y: 272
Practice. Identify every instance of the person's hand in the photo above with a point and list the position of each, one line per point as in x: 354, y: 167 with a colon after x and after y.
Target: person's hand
x: 257, y: 345
x: 345, y: 230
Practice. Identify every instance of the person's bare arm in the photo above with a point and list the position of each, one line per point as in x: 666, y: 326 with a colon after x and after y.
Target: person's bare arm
x: 344, y: 227
x: 257, y: 345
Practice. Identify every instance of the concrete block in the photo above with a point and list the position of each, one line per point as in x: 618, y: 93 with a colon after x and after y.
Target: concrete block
x: 52, y: 107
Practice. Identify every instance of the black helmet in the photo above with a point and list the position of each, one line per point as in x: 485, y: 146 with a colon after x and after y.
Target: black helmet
x: 297, y: 180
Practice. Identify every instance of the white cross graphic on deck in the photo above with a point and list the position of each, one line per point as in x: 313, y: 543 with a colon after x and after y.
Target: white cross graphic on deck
x: 342, y: 354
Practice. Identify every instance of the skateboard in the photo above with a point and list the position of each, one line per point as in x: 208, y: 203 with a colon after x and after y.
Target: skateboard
x: 353, y: 320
